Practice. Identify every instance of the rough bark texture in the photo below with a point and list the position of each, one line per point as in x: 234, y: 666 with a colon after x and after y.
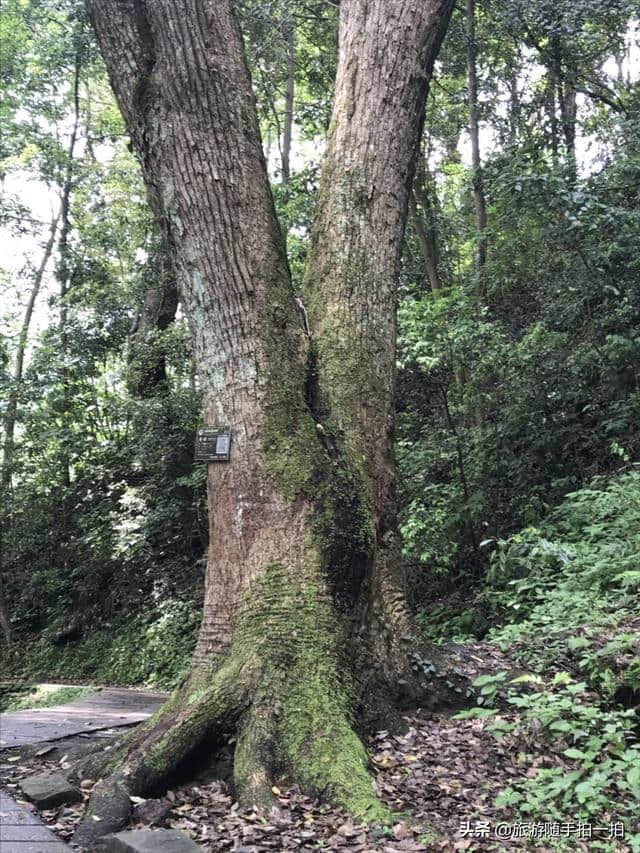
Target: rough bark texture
x: 387, y: 51
x: 302, y: 583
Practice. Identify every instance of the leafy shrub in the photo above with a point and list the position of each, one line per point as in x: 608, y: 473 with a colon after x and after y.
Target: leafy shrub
x: 603, y: 781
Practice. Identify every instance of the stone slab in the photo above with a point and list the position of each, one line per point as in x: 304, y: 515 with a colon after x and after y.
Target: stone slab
x: 150, y: 841
x: 7, y: 803
x: 30, y: 832
x: 22, y: 832
x: 48, y: 790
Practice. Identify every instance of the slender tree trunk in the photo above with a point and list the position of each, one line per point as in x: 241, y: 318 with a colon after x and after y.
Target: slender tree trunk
x: 550, y: 102
x: 11, y: 415
x: 424, y: 221
x: 287, y: 127
x: 303, y: 562
x: 566, y: 91
x: 474, y: 133
x: 514, y: 108
x: 63, y: 269
x: 5, y: 624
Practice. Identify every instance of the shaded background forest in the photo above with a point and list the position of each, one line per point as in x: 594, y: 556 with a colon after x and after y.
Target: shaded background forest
x: 519, y: 347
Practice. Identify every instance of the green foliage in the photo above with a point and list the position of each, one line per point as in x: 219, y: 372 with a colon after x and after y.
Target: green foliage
x: 46, y: 699
x: 566, y: 584
x: 601, y: 744
x: 152, y: 648
x: 518, y: 381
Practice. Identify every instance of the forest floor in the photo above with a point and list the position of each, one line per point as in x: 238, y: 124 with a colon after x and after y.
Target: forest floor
x: 441, y: 776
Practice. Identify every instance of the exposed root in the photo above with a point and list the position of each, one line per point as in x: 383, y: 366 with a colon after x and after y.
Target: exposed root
x: 287, y: 692
x: 253, y: 763
x: 108, y: 811
x: 203, y: 706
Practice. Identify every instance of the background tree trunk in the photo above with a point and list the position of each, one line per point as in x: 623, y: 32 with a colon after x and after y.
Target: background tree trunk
x: 64, y: 272
x: 423, y: 216
x: 12, y: 403
x: 303, y: 547
x: 289, y: 96
x: 11, y: 417
x: 474, y: 134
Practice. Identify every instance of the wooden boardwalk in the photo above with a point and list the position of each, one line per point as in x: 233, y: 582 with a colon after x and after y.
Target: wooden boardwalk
x: 21, y: 831
x: 105, y: 709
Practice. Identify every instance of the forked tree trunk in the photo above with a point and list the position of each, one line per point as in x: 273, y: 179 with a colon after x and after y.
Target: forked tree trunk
x: 304, y: 618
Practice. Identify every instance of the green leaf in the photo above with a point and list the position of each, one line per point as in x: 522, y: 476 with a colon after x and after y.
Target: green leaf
x: 575, y: 753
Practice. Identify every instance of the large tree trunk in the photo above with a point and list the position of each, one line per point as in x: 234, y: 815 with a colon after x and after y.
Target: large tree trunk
x: 304, y: 618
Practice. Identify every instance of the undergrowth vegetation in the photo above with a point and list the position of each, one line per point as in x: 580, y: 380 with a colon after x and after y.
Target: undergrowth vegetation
x: 152, y: 648
x: 39, y: 697
x: 562, y: 601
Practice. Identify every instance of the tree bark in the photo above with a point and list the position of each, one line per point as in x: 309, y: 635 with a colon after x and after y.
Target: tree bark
x: 303, y: 581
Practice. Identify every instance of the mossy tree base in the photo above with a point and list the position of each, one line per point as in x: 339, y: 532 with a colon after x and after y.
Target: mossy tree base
x: 284, y: 689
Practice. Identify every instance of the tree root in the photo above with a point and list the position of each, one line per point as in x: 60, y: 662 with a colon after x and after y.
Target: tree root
x: 305, y: 734
x: 203, y: 706
x: 253, y: 762
x: 288, y: 694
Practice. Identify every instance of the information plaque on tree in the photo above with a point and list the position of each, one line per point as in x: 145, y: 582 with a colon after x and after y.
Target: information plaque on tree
x: 213, y: 444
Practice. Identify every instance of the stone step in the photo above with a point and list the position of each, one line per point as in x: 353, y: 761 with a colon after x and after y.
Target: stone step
x: 48, y: 790
x: 150, y: 841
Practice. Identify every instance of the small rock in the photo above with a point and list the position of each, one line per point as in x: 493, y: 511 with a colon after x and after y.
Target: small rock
x: 86, y: 784
x: 109, y: 811
x: 48, y: 790
x: 150, y: 841
x: 152, y: 812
